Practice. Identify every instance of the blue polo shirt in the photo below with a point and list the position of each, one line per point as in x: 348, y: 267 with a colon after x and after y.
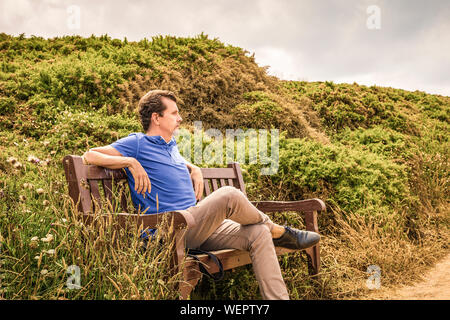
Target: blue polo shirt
x: 169, y: 177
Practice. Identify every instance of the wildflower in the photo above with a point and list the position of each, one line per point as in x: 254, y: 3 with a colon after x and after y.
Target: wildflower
x: 40, y: 191
x: 22, y: 198
x: 36, y: 257
x: 28, y: 185
x: 45, y: 203
x: 48, y: 238
x: 11, y: 160
x: 44, y: 271
x: 34, y: 244
x: 17, y: 165
x: 45, y: 143
x: 51, y: 251
x: 32, y: 158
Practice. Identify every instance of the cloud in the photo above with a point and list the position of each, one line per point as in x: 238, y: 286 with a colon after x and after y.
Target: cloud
x: 312, y: 40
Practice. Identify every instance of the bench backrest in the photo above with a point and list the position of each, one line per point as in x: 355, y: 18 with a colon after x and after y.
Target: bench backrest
x: 87, y: 184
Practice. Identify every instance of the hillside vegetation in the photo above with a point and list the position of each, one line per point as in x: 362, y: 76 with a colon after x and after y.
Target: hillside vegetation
x: 378, y: 157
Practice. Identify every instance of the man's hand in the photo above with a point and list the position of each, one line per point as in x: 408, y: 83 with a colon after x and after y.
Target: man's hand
x: 197, y: 180
x: 141, y: 180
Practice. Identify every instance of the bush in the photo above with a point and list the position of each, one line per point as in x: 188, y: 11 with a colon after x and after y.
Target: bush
x: 7, y: 105
x: 352, y: 178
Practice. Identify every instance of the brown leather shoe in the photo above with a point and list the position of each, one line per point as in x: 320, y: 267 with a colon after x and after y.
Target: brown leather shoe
x: 297, y: 239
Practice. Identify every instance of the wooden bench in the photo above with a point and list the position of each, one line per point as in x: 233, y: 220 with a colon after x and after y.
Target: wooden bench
x: 83, y: 184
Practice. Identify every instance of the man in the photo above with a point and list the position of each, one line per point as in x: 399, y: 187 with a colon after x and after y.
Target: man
x: 162, y: 180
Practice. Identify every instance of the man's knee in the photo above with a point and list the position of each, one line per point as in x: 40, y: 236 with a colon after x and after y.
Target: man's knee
x: 231, y: 193
x: 229, y: 190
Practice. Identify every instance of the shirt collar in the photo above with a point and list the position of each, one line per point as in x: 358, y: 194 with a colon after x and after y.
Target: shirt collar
x: 160, y: 140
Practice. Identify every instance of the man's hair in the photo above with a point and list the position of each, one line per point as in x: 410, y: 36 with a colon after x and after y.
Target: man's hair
x: 150, y: 103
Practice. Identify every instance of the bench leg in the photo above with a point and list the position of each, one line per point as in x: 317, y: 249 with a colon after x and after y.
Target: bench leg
x: 186, y: 288
x: 313, y: 253
x: 190, y: 272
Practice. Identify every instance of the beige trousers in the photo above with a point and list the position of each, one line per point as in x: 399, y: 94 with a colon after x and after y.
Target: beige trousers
x: 226, y: 219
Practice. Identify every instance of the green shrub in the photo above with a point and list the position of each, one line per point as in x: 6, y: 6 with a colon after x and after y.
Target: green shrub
x: 353, y: 178
x: 379, y: 140
x: 7, y: 105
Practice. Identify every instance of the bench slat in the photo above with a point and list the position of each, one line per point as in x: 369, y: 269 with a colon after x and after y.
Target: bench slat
x: 207, y: 189
x: 99, y: 173
x: 214, y: 184
x: 107, y: 189
x: 124, y: 200
x: 95, y: 193
x: 230, y: 258
x: 279, y: 206
x: 215, y: 173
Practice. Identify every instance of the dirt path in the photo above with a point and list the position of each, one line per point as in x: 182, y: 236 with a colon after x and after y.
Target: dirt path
x: 434, y: 286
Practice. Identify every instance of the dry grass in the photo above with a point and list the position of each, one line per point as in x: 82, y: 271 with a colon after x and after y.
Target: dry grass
x: 357, y: 242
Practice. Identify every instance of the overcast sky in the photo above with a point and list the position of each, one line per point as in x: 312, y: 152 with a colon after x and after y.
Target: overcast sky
x: 392, y: 43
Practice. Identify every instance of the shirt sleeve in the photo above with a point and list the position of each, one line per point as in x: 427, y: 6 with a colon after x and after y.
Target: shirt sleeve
x: 127, y: 146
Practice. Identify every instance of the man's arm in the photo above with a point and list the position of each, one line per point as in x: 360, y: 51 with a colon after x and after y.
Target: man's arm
x: 109, y: 157
x: 197, y: 179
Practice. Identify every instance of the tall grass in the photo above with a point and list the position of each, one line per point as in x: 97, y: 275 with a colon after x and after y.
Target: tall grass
x: 39, y: 246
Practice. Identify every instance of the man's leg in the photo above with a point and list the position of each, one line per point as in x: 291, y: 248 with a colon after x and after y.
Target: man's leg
x: 257, y: 239
x: 224, y: 203
x: 227, y: 219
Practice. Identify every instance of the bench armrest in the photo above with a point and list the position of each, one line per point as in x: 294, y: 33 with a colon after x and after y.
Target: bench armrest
x: 181, y: 219
x: 298, y: 206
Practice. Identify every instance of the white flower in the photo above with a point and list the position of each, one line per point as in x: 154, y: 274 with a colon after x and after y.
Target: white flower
x: 11, y: 160
x: 48, y: 238
x: 17, y: 165
x: 40, y: 191
x: 51, y: 251
x: 32, y: 158
x: 34, y: 239
x: 44, y: 271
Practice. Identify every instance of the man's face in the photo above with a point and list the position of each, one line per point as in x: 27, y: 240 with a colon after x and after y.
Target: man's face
x: 171, y: 119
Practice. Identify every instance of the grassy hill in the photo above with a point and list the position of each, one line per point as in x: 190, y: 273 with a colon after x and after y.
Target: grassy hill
x: 379, y: 158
